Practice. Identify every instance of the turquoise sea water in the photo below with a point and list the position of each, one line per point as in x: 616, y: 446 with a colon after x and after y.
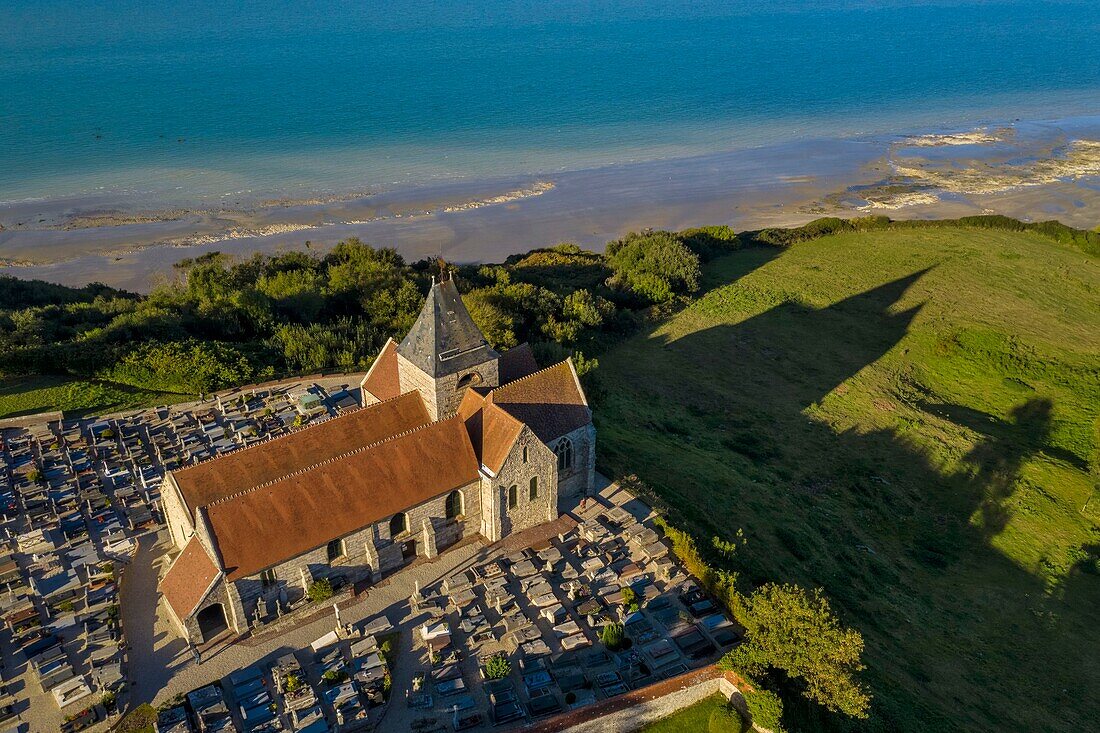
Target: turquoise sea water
x: 204, y: 98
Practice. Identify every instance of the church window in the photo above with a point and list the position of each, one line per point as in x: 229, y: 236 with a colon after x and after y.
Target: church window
x: 267, y: 578
x: 455, y: 505
x: 534, y: 492
x: 512, y: 496
x: 525, y: 454
x: 469, y: 380
x: 336, y: 550
x: 564, y: 449
x: 399, y: 524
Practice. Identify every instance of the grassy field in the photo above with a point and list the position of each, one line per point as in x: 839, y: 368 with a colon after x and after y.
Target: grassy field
x: 908, y: 419
x: 28, y: 395
x: 712, y: 715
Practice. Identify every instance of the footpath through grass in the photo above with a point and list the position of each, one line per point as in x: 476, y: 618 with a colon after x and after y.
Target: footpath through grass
x: 77, y: 397
x: 908, y: 419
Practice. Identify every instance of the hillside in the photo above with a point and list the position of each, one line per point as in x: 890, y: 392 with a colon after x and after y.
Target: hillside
x: 909, y: 419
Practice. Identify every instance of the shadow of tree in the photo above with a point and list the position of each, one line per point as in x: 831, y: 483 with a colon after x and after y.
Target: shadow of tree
x: 721, y: 422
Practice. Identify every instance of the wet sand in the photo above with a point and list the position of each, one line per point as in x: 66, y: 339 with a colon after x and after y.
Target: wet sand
x: 1032, y: 172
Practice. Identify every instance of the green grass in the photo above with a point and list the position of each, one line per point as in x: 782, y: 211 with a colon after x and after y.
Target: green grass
x: 77, y: 397
x: 908, y: 419
x: 712, y: 715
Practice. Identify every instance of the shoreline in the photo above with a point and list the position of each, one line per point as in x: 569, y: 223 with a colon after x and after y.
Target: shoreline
x: 1029, y: 170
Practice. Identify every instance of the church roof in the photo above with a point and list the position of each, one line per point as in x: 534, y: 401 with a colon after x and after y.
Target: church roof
x: 516, y: 363
x: 282, y: 519
x: 445, y: 340
x: 493, y: 432
x: 189, y: 579
x: 382, y: 380
x: 231, y: 473
x: 550, y: 401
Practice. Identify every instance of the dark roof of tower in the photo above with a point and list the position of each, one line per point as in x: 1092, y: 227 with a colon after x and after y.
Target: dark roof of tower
x: 445, y: 340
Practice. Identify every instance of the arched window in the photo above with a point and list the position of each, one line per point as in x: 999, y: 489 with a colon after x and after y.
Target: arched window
x: 336, y: 550
x: 469, y: 380
x: 512, y: 496
x: 564, y: 449
x: 534, y: 493
x: 455, y: 505
x: 399, y: 524
x: 525, y: 454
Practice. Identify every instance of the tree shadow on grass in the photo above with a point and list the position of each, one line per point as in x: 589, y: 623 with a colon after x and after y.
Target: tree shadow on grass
x: 719, y: 428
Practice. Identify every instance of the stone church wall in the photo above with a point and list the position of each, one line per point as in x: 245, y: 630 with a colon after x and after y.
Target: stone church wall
x: 442, y: 396
x: 180, y: 527
x: 578, y: 480
x: 541, y: 463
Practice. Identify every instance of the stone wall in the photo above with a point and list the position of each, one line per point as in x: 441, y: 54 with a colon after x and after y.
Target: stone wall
x: 632, y: 711
x: 540, y: 463
x: 442, y: 396
x: 180, y: 527
x: 578, y: 480
x: 410, y: 377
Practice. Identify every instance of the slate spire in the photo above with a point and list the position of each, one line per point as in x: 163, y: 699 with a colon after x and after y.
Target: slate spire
x: 445, y: 340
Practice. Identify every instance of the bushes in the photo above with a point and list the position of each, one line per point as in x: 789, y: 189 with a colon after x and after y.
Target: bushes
x: 655, y: 266
x: 182, y: 366
x: 320, y: 590
x: 614, y: 636
x: 764, y: 707
x: 497, y: 667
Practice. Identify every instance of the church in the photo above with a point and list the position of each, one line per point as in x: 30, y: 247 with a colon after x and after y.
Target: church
x: 453, y: 441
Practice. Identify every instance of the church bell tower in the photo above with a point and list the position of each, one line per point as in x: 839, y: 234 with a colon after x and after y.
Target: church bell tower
x: 445, y: 353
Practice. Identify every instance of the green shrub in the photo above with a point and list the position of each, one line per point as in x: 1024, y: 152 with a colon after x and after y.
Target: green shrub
x: 655, y: 266
x: 765, y: 708
x: 320, y: 590
x: 334, y: 677
x: 630, y: 600
x: 497, y: 667
x: 613, y: 636
x: 182, y: 366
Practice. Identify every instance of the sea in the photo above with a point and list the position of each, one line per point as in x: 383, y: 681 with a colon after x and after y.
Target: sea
x: 171, y: 103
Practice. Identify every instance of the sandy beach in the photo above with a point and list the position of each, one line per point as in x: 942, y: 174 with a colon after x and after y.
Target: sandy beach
x: 1033, y: 171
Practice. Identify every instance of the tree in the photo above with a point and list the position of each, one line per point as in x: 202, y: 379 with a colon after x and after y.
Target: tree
x: 791, y: 630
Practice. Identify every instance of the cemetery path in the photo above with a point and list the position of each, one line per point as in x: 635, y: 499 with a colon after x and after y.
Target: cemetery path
x: 153, y: 651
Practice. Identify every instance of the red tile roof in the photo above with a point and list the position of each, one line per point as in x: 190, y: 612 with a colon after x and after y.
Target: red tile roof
x: 234, y: 472
x: 517, y: 363
x: 282, y: 519
x: 189, y: 579
x: 493, y: 432
x: 550, y: 401
x: 381, y: 379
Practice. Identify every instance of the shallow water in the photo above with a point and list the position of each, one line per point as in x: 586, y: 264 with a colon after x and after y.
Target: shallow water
x: 152, y: 105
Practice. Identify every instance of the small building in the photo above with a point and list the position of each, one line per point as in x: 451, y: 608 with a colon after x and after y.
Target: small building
x: 454, y: 441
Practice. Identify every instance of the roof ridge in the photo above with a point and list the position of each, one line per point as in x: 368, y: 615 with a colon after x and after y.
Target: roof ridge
x: 327, y: 461
x: 293, y: 431
x: 555, y: 365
